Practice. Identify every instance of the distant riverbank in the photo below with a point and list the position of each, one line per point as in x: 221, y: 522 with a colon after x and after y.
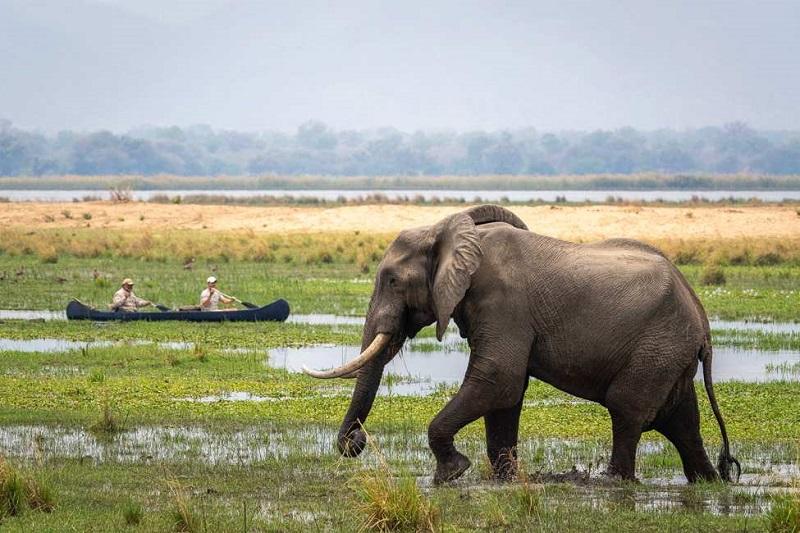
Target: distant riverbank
x: 445, y: 183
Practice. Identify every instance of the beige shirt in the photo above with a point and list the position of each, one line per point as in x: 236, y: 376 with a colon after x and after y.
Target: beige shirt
x: 127, y: 301
x: 213, y: 304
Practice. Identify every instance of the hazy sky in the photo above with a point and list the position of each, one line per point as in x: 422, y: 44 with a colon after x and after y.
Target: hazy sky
x: 258, y: 65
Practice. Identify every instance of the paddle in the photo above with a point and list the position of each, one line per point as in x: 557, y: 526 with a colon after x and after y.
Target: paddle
x: 162, y: 308
x: 246, y: 304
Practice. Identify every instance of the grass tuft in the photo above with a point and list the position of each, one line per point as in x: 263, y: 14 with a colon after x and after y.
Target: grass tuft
x: 784, y: 516
x: 712, y: 275
x: 182, y: 512
x: 528, y: 498
x: 107, y: 424
x: 17, y: 492
x: 12, y: 491
x: 132, y: 513
x: 40, y: 495
x: 392, y: 503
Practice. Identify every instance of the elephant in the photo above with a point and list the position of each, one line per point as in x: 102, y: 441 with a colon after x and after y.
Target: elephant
x: 613, y: 322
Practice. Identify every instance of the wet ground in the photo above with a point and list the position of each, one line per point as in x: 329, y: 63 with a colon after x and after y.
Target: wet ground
x: 425, y: 364
x: 578, y: 463
x: 422, y: 366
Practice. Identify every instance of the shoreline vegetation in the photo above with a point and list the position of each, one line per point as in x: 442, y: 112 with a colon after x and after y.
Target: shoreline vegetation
x: 488, y: 182
x: 363, y: 250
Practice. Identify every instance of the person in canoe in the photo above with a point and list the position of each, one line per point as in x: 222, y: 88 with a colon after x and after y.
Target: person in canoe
x: 125, y: 301
x: 211, y: 296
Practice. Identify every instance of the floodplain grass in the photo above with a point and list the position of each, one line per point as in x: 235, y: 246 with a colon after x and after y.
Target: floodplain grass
x: 784, y: 515
x: 762, y: 293
x: 304, y: 490
x: 132, y: 512
x: 302, y: 483
x: 142, y: 386
x: 361, y: 249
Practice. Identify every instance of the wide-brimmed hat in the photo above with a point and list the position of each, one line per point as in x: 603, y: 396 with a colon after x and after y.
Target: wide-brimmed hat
x: 211, y: 279
x: 127, y: 281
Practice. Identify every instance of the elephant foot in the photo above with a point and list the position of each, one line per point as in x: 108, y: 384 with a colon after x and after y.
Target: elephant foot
x: 353, y: 444
x: 615, y: 474
x: 504, y: 468
x: 452, y: 469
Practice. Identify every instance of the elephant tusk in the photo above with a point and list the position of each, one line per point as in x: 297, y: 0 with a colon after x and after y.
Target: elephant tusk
x: 380, y: 342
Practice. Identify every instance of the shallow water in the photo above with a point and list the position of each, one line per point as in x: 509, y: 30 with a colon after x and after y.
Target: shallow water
x: 394, y: 194
x: 29, y: 314
x: 261, y: 442
x: 335, y: 320
x: 425, y: 365
x: 325, y: 320
x: 64, y: 345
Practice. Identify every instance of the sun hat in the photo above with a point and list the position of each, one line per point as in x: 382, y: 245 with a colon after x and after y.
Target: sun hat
x: 211, y: 279
x: 127, y: 281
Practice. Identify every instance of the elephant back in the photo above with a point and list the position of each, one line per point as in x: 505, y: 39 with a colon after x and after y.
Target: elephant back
x: 484, y: 214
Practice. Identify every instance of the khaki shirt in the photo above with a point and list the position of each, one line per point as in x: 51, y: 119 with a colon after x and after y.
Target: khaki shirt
x: 127, y: 301
x: 213, y: 304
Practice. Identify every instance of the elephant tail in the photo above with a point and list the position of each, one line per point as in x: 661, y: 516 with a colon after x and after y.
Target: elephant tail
x: 726, y: 461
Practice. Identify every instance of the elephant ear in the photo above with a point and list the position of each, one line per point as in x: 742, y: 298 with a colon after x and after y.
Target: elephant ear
x: 457, y: 255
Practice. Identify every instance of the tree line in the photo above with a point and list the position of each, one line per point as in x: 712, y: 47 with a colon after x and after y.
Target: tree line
x: 318, y: 149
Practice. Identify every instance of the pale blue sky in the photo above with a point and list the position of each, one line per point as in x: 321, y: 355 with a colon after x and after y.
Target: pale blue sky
x: 552, y: 65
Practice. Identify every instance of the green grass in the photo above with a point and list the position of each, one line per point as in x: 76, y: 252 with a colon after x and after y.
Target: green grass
x: 295, y: 494
x: 270, y: 465
x: 784, y: 517
x: 764, y: 293
x: 338, y: 289
x: 142, y: 384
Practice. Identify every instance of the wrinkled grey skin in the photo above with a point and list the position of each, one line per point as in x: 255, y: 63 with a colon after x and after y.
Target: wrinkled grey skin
x: 612, y: 322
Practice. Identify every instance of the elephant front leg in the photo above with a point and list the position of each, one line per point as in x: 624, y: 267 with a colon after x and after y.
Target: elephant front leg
x: 469, y: 404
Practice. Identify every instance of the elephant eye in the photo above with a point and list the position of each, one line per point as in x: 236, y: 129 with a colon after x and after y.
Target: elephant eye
x: 392, y: 282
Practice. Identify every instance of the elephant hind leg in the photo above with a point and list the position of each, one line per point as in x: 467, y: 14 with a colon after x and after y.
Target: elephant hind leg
x: 632, y: 404
x: 502, y: 433
x: 627, y: 431
x: 682, y: 428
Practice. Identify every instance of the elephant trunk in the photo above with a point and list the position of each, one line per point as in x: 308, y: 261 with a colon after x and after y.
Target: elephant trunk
x: 352, y: 439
